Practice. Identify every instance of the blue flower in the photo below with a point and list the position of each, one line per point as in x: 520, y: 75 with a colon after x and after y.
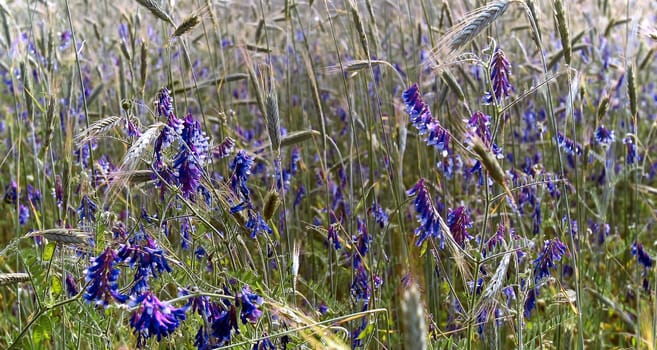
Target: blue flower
x: 71, y: 286
x: 249, y: 302
x: 23, y: 214
x: 11, y: 193
x: 604, y: 136
x: 571, y: 147
x: 102, y: 279
x: 427, y: 215
x: 241, y: 166
x: 459, y: 222
x: 641, y: 255
x: 530, y: 302
x: 87, y: 209
x: 424, y: 122
x: 500, y: 71
x: 164, y: 103
x: 379, y: 214
x: 632, y: 152
x: 264, y: 344
x: 149, y: 261
x: 552, y: 252
x: 224, y: 149
x: 154, y: 318
x: 191, y: 157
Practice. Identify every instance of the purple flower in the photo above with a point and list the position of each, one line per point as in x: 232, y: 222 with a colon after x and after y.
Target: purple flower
x: 23, y: 214
x: 424, y: 122
x: 102, y: 278
x: 71, y: 286
x: 552, y: 252
x: 360, y: 285
x: 604, y: 136
x: 379, y: 214
x: 427, y: 215
x: 87, y: 209
x: 571, y: 147
x: 500, y: 70
x: 11, y: 193
x: 149, y: 261
x: 264, y: 344
x: 632, y: 153
x: 361, y: 242
x: 641, y: 255
x: 249, y: 302
x: 164, y: 103
x: 241, y: 166
x: 191, y: 157
x: 257, y: 224
x: 154, y: 318
x: 530, y: 302
x: 459, y: 222
x: 224, y: 149
x: 33, y: 195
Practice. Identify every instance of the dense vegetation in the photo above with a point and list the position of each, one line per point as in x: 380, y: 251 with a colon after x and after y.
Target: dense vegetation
x: 328, y: 174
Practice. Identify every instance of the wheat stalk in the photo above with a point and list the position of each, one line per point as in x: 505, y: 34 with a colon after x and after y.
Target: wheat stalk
x: 562, y: 25
x: 137, y: 149
x: 273, y: 121
x: 13, y: 278
x: 467, y: 29
x: 99, y: 127
x: 187, y: 25
x: 156, y: 11
x: 62, y: 235
x: 498, y: 278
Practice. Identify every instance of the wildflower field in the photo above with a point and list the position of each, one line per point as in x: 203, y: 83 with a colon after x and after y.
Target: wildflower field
x: 330, y: 174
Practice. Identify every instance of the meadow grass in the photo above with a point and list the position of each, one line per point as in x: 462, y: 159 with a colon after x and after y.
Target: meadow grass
x: 401, y: 174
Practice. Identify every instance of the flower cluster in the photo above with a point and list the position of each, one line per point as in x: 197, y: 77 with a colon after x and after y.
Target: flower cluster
x: 147, y: 259
x: 500, y: 71
x: 191, y: 157
x: 154, y: 318
x: 553, y: 251
x: 424, y: 122
x: 102, y: 279
x: 459, y: 222
x: 427, y: 215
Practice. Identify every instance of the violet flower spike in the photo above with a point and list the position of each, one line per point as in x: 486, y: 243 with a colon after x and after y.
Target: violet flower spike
x: 427, y: 215
x: 154, y: 318
x: 553, y: 251
x: 102, y: 278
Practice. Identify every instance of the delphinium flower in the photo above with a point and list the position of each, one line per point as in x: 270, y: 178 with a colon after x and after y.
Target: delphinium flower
x: 148, y: 260
x: 191, y: 157
x: 102, y: 278
x: 459, y: 222
x: 604, y: 136
x: 427, y: 215
x: 500, y: 71
x: 424, y: 122
x: 553, y: 251
x: 249, y: 303
x: 87, y: 209
x: 571, y: 147
x: 632, y: 155
x: 154, y: 318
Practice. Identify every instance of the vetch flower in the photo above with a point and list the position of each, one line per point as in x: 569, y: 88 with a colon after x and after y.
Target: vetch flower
x: 552, y: 252
x: 191, y: 157
x: 427, y: 215
x: 249, y: 302
x: 424, y: 122
x: 459, y: 222
x: 500, y: 71
x: 379, y: 214
x: 87, y: 209
x: 632, y: 152
x: 224, y: 149
x: 102, y: 278
x: 530, y: 302
x: 642, y: 256
x: 241, y: 166
x: 154, y: 318
x: 571, y: 147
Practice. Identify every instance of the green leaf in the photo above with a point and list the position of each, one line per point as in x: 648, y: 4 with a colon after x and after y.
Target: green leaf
x: 49, y: 251
x: 56, y: 286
